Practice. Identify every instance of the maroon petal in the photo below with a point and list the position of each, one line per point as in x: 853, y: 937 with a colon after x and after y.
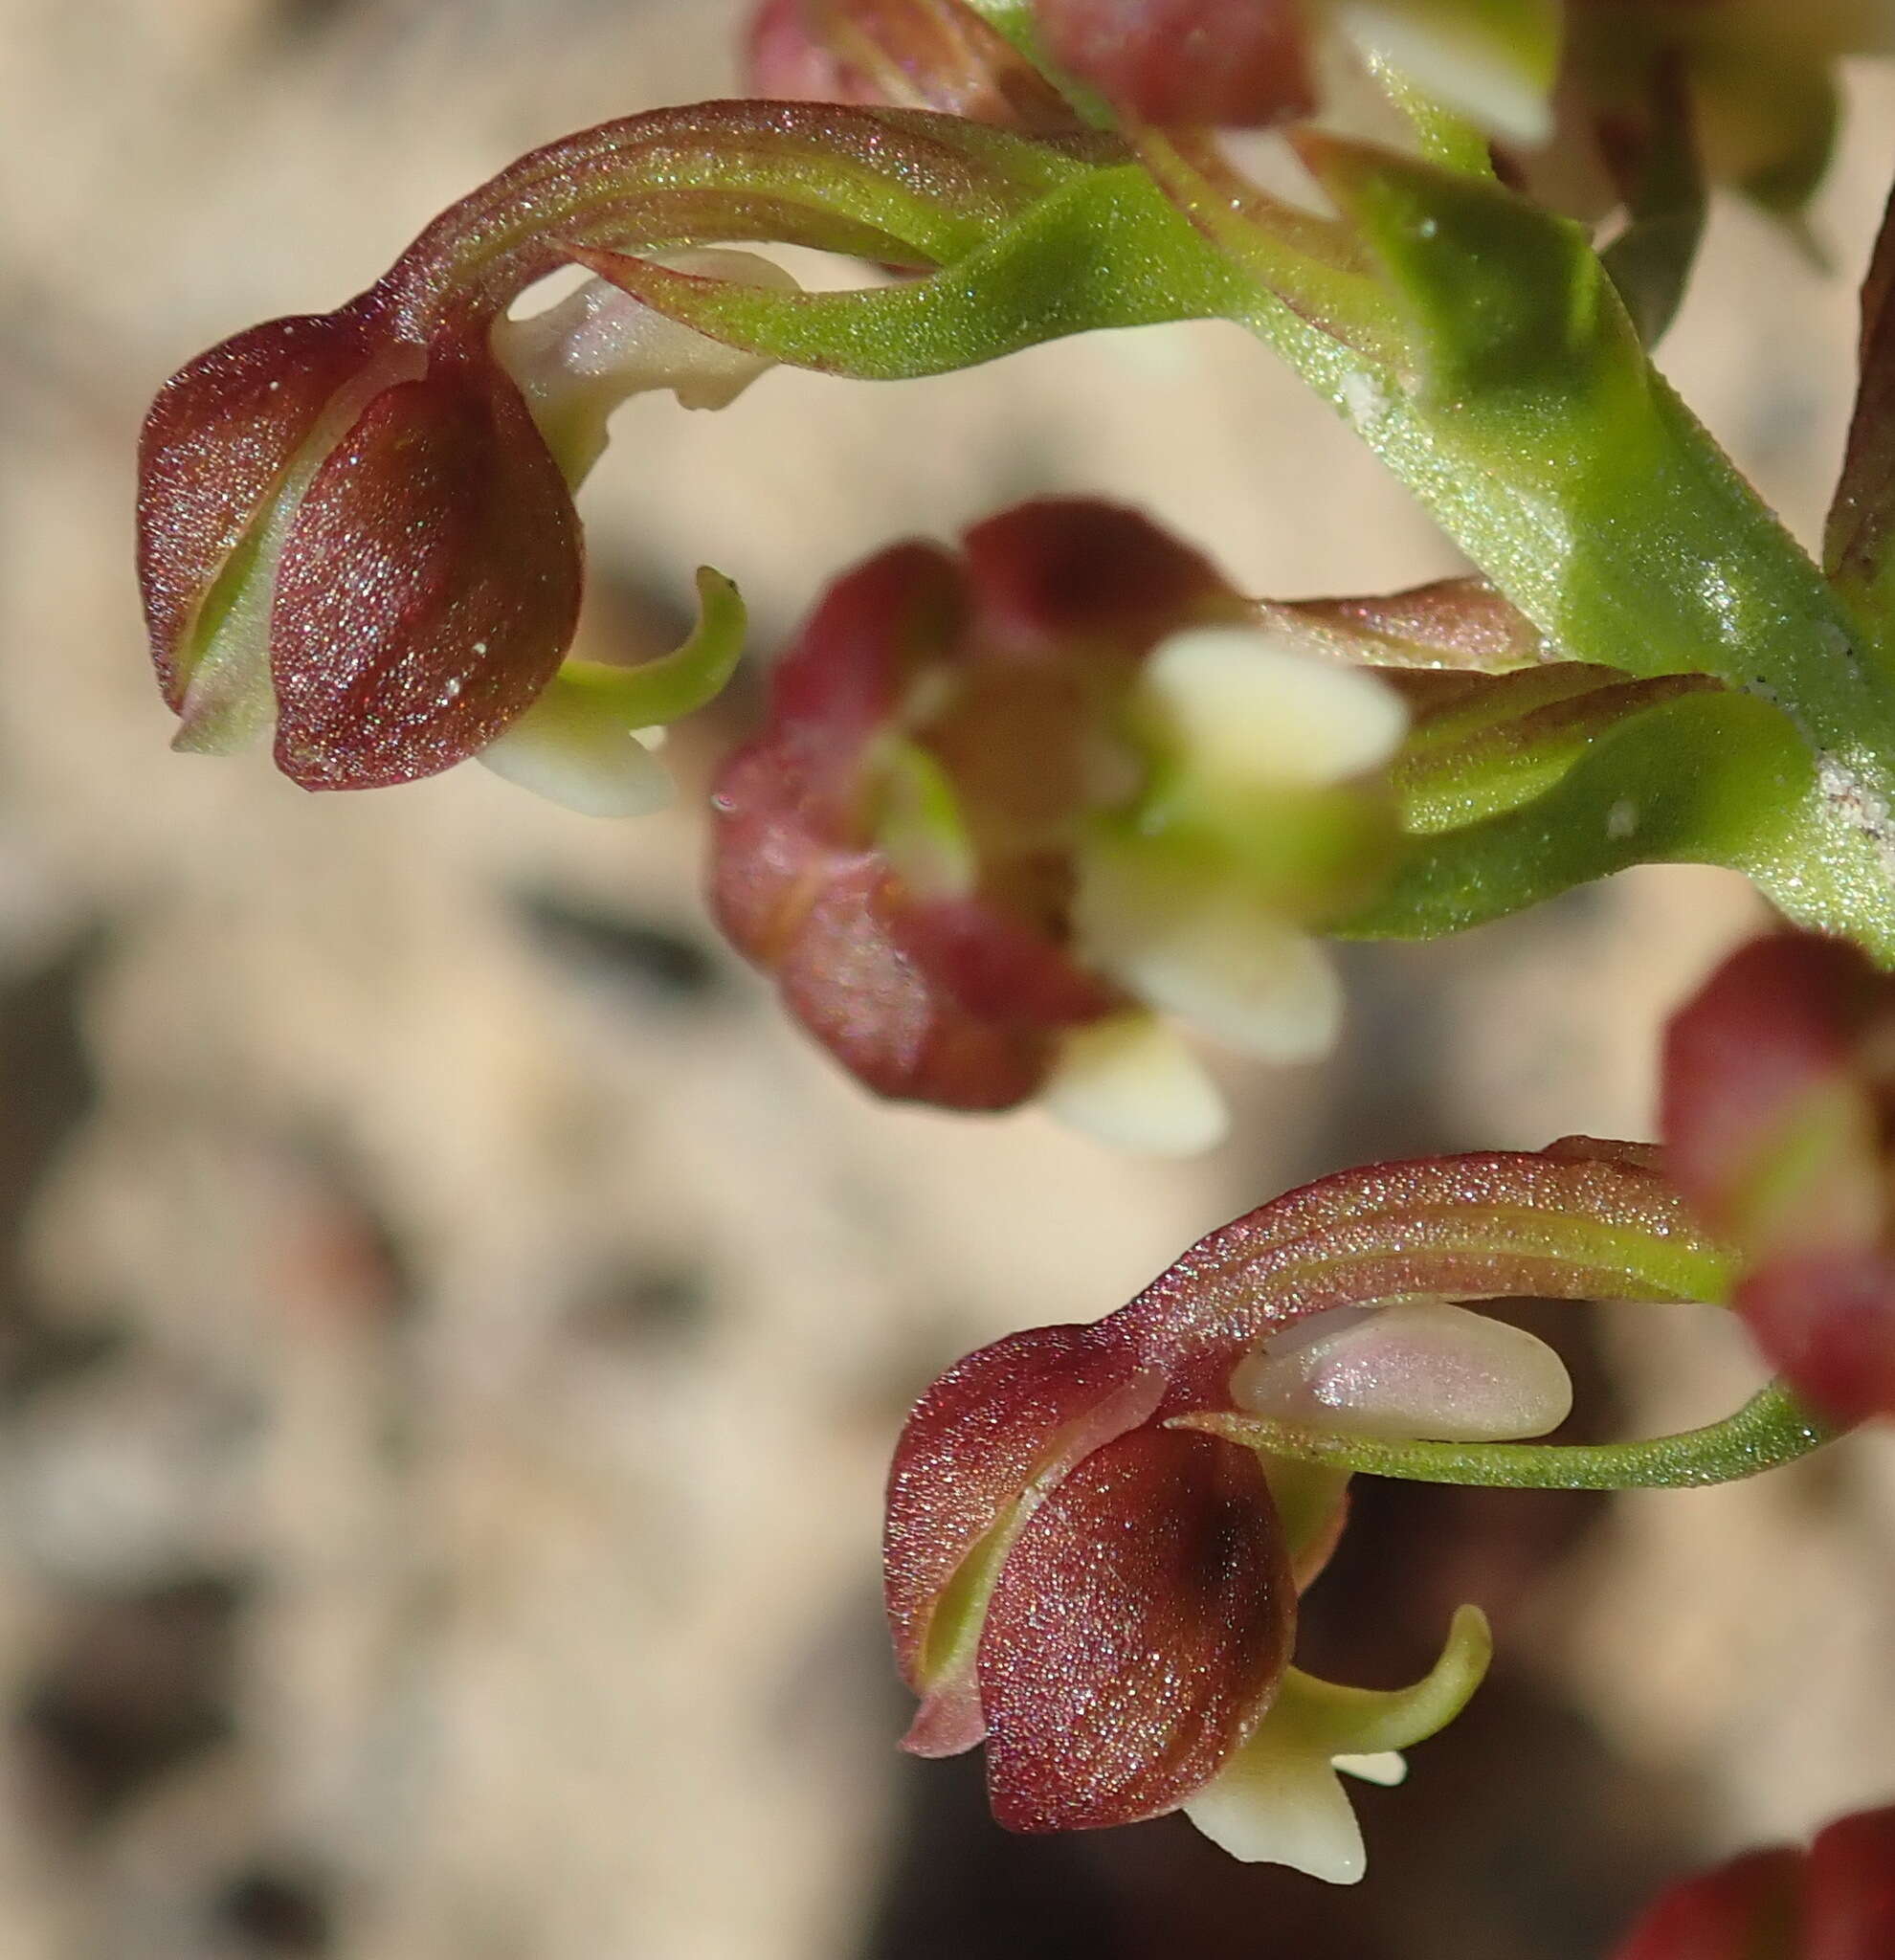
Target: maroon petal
x: 912, y: 53
x: 1231, y: 63
x: 766, y: 859
x: 1015, y: 1415
x: 1135, y: 1635
x: 429, y: 587
x: 1744, y: 1910
x: 1849, y: 1890
x: 845, y: 678
x: 1826, y: 1321
x: 215, y: 446
x: 1058, y: 570
x: 822, y: 917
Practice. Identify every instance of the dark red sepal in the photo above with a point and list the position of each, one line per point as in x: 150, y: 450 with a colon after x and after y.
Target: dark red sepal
x: 1827, y: 1322
x: 1849, y: 1890
x: 1857, y: 538
x: 1775, y: 1026
x: 1836, y: 1901
x: 1236, y: 63
x: 1779, y: 1118
x: 215, y: 445
x: 1057, y: 571
x: 843, y: 681
x: 429, y: 587
x: 1017, y: 1415
x: 1744, y: 1910
x: 1135, y: 1635
x: 910, y: 53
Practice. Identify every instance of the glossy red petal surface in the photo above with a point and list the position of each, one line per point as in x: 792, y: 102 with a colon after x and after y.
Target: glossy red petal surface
x: 1744, y: 1910
x: 1017, y: 1413
x: 1231, y: 63
x: 214, y: 446
x: 850, y: 670
x: 1061, y: 569
x: 1775, y: 1023
x: 1826, y: 1321
x: 1137, y: 1631
x: 1849, y: 1890
x: 429, y: 587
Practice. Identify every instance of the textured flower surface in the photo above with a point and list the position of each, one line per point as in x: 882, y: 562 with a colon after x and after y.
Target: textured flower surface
x: 1779, y: 1112
x: 1834, y: 1902
x: 367, y: 541
x: 1006, y: 806
x: 1084, y: 1574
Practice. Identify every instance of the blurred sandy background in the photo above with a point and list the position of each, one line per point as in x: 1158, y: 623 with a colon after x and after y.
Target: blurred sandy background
x: 453, y: 1329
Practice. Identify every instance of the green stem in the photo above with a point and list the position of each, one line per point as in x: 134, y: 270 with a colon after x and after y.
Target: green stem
x: 1710, y: 778
x: 1771, y: 1429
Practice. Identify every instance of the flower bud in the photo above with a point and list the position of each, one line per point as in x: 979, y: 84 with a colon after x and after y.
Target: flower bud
x: 1779, y: 1116
x: 371, y: 546
x: 1006, y: 806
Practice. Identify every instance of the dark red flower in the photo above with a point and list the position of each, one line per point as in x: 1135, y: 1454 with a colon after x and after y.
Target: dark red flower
x: 1005, y: 805
x: 1779, y: 1113
x: 1835, y: 1902
x: 1085, y: 1564
x: 357, y: 530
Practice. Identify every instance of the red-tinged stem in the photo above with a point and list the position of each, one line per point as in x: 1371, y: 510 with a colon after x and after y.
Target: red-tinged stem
x: 894, y: 185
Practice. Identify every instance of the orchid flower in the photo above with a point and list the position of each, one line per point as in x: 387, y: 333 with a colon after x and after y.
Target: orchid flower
x: 357, y: 530
x: 1779, y: 1110
x: 1834, y: 1902
x: 1009, y: 809
x: 1092, y: 1571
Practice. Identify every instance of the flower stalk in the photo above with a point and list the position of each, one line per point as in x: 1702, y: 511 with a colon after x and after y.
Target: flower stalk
x: 1771, y: 1430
